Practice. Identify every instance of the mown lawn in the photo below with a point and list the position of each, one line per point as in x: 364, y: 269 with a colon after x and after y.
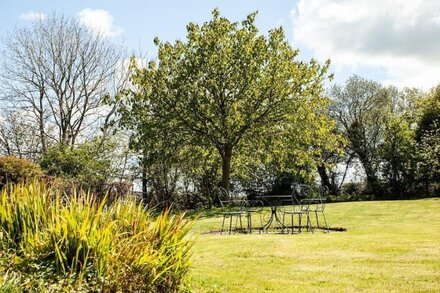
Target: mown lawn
x: 389, y: 246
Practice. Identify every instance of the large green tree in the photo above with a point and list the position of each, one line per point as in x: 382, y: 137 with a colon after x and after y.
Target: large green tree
x: 229, y: 88
x: 361, y: 107
x: 428, y: 137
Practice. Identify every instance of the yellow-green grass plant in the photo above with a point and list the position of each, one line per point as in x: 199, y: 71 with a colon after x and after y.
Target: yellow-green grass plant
x: 54, y: 242
x: 389, y: 246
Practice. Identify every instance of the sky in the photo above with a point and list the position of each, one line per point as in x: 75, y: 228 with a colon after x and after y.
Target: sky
x: 390, y: 41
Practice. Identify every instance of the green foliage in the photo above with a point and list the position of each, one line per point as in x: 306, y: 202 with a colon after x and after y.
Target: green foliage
x: 398, y: 155
x: 393, y: 134
x: 238, y: 95
x: 361, y: 107
x: 429, y: 152
x: 83, y: 162
x: 428, y: 137
x: 14, y: 170
x: 10, y: 283
x: 77, y: 243
x: 428, y: 106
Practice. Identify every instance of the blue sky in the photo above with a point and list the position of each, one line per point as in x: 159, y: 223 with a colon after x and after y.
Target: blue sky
x: 141, y: 21
x: 391, y: 41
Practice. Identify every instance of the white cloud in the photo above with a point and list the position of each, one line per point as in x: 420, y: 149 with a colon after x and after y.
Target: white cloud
x: 100, y: 21
x: 401, y: 37
x: 32, y: 15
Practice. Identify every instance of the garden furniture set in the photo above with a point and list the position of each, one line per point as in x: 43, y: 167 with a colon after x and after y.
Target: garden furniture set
x: 301, y: 204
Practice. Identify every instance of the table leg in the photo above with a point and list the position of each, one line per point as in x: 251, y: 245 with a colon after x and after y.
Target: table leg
x: 271, y: 217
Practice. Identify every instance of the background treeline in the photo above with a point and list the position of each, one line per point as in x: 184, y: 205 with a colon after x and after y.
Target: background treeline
x: 392, y: 135
x: 226, y: 106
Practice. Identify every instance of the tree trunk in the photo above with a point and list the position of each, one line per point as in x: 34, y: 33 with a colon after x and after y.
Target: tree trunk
x: 325, y: 180
x: 41, y: 123
x: 226, y: 167
x: 372, y: 180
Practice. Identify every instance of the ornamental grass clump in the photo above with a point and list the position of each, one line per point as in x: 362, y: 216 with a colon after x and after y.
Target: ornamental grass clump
x: 80, y: 243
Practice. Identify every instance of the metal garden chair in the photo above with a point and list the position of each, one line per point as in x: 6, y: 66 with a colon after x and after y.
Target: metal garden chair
x: 298, y: 207
x: 231, y: 208
x: 318, y: 206
x: 253, y: 207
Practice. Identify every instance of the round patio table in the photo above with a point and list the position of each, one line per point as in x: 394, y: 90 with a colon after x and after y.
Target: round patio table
x: 274, y: 201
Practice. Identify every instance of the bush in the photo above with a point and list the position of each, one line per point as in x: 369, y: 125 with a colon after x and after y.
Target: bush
x: 14, y: 170
x: 353, y: 191
x: 83, y: 163
x: 83, y: 167
x: 77, y: 243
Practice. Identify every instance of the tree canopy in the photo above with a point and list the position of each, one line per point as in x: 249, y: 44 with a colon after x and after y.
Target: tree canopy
x: 230, y: 88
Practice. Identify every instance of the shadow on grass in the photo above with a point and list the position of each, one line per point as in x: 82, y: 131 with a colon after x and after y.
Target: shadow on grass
x: 276, y: 231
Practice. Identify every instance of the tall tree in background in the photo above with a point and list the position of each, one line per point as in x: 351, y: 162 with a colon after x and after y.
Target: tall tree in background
x: 58, y: 72
x: 228, y: 87
x: 360, y: 107
x: 428, y: 137
x: 17, y: 135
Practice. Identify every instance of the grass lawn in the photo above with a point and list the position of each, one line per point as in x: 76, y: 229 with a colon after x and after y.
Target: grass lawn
x: 390, y: 246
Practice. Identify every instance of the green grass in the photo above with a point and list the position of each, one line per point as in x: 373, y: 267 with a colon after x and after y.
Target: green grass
x: 390, y: 246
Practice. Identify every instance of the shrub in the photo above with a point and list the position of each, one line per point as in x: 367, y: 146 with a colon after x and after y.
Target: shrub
x: 79, y: 244
x: 83, y: 167
x: 353, y: 191
x: 83, y: 162
x: 14, y: 170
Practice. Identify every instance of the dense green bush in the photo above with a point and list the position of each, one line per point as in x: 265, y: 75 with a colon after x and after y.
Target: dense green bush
x: 353, y: 191
x: 83, y: 162
x: 87, y: 166
x: 76, y: 243
x: 14, y: 170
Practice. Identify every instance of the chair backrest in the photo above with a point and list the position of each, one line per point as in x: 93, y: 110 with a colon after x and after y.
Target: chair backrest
x: 222, y: 196
x: 227, y: 202
x: 323, y: 193
x: 299, y: 192
x: 253, y: 205
x: 319, y: 199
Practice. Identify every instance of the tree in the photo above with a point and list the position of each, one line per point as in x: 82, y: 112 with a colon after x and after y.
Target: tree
x: 428, y: 137
x: 360, y: 107
x: 59, y: 72
x: 428, y: 112
x: 330, y: 176
x: 398, y: 155
x: 229, y: 88
x: 17, y: 135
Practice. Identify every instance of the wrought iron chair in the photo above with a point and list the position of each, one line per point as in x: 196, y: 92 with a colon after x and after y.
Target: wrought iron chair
x: 230, y: 208
x: 253, y: 207
x: 299, y: 208
x: 319, y: 206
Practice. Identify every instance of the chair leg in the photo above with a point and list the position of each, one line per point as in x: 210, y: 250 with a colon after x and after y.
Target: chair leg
x: 250, y: 223
x: 309, y: 223
x: 325, y: 221
x: 223, y: 224
x: 241, y: 224
x: 236, y: 222
x: 261, y: 224
x: 291, y: 221
x: 230, y: 225
x: 317, y: 220
x: 299, y: 222
x: 282, y: 227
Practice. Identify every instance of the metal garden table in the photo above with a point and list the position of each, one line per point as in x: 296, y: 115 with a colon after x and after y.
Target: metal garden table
x: 274, y: 201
